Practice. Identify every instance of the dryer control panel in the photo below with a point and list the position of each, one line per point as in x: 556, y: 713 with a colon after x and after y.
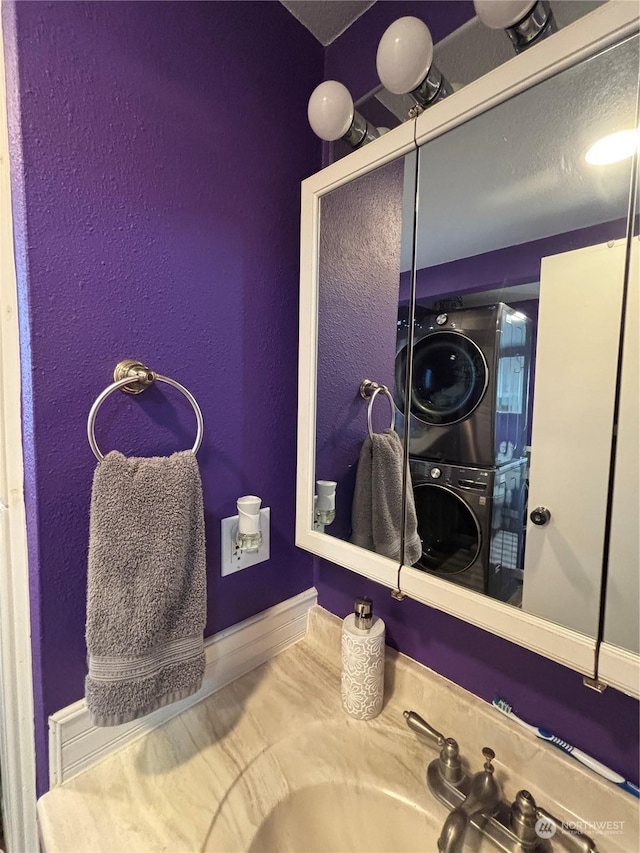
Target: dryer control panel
x: 475, y: 479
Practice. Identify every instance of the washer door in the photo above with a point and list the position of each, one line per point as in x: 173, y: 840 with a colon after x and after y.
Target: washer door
x: 448, y: 528
x: 450, y: 377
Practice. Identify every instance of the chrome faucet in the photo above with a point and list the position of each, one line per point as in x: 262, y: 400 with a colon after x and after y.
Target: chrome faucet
x: 477, y: 810
x: 483, y: 798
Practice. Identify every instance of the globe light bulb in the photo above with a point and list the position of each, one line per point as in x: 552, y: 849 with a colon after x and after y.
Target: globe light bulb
x: 330, y: 110
x: 405, y: 55
x: 500, y: 14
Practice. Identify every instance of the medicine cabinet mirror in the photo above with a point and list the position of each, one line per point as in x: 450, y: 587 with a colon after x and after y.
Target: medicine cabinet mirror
x: 483, y: 279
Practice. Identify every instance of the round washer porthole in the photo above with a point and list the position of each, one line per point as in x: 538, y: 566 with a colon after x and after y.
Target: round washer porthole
x: 449, y: 530
x: 449, y: 378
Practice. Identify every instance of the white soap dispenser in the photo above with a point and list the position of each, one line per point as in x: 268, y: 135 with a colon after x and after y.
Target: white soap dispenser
x: 362, y: 661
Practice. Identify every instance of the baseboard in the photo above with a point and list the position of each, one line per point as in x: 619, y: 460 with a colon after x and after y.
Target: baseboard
x: 75, y: 744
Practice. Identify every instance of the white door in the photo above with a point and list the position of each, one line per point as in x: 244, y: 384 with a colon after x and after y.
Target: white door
x: 574, y: 394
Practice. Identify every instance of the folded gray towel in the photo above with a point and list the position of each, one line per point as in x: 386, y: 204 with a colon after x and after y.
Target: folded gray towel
x: 146, y: 597
x: 376, y: 517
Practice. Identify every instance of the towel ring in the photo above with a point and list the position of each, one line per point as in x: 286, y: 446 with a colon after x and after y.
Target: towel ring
x: 370, y: 390
x: 133, y: 377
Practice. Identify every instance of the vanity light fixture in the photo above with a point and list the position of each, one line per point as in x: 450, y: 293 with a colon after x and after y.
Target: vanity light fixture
x: 526, y: 22
x: 405, y: 64
x: 332, y: 116
x: 249, y: 536
x: 614, y: 148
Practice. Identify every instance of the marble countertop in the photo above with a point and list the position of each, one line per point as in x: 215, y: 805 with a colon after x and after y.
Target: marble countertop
x: 209, y: 779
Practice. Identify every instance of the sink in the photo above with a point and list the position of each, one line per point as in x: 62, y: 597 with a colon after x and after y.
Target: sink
x: 340, y: 786
x: 332, y: 818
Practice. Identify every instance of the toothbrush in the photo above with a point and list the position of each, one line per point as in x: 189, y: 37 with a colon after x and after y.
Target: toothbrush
x: 506, y: 709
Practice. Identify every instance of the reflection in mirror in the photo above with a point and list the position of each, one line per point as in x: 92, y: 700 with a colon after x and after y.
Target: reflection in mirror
x: 513, y: 337
x: 361, y: 231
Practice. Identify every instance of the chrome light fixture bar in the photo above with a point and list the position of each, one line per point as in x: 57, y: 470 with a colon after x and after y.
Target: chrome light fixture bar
x: 524, y: 21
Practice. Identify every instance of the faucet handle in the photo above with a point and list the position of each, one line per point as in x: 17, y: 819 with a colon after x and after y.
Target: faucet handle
x: 415, y: 722
x: 449, y: 764
x: 489, y: 756
x: 524, y: 817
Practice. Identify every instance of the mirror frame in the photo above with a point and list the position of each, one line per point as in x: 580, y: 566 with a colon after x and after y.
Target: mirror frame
x: 617, y: 666
x: 600, y: 29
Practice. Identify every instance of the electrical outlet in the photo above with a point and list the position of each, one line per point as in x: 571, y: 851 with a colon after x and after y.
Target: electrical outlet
x: 231, y: 558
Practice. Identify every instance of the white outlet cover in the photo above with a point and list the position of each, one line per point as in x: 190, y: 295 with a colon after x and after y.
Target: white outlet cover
x: 233, y: 561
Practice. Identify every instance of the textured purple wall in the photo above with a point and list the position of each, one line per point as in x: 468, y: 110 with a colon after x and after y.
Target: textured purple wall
x: 157, y: 216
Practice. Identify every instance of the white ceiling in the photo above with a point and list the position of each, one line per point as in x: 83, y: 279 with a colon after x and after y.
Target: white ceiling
x: 327, y: 19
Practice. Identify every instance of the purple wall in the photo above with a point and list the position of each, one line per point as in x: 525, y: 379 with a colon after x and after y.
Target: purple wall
x: 156, y: 195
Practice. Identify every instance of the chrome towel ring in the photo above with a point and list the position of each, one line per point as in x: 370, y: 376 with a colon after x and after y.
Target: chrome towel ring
x: 133, y: 377
x: 370, y: 390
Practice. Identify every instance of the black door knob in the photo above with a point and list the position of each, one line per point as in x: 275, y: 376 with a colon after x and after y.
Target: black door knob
x: 540, y: 515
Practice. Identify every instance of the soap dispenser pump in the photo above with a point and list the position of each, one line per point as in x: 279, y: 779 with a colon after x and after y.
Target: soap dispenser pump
x: 362, y: 685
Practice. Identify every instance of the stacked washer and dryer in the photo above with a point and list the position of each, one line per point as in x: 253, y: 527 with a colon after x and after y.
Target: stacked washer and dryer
x: 468, y: 428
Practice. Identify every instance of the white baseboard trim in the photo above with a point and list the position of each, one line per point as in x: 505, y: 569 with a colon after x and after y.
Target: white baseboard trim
x: 75, y: 744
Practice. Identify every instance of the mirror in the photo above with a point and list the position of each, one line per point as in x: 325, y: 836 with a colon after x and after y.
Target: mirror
x: 363, y: 226
x: 501, y: 258
x: 508, y: 349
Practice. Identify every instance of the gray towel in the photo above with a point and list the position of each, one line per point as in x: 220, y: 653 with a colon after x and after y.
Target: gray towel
x: 376, y: 517
x: 146, y: 597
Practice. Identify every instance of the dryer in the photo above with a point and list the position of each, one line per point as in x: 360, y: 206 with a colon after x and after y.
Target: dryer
x: 470, y: 384
x: 472, y: 524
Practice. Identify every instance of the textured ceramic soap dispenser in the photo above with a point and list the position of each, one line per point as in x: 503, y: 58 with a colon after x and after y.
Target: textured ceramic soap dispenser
x: 362, y: 661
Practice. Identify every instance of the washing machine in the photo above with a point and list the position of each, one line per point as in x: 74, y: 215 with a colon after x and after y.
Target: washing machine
x: 471, y: 522
x: 470, y: 384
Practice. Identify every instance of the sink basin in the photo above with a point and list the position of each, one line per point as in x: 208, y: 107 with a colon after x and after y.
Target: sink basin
x: 332, y: 818
x: 343, y: 785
